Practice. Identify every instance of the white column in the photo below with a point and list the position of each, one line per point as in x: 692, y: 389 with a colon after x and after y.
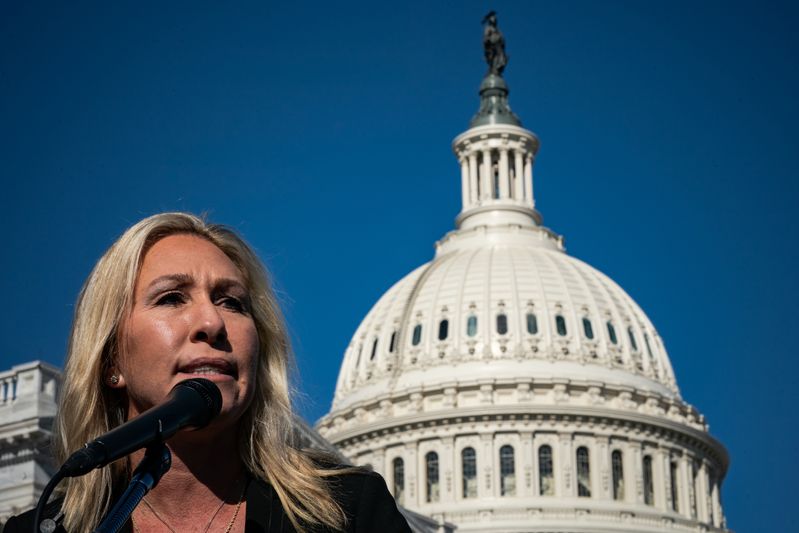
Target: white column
x: 465, y: 183
x: 446, y: 467
x: 518, y: 176
x: 567, y: 482
x: 486, y: 185
x: 524, y: 460
x: 661, y: 476
x: 486, y: 473
x: 412, y: 470
x: 379, y: 461
x: 688, y: 468
x: 528, y: 180
x: 716, y: 502
x: 602, y: 475
x: 503, y: 174
x: 474, y: 173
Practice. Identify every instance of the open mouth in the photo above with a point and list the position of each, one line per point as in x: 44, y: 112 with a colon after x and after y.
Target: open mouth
x: 209, y: 367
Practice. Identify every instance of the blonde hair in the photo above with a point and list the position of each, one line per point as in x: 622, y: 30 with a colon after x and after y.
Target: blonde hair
x: 88, y: 408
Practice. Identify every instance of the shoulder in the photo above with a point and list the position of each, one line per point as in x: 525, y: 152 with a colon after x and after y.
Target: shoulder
x: 362, y: 495
x: 365, y: 499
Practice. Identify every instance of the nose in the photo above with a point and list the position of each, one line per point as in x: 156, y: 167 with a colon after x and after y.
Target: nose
x: 208, y: 325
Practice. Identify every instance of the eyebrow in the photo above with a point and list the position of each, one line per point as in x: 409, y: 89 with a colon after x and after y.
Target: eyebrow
x: 184, y: 280
x: 181, y: 280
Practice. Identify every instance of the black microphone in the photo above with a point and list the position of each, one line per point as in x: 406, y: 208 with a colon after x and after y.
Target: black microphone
x: 192, y: 403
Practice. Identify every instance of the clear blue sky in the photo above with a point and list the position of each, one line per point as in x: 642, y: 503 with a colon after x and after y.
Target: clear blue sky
x: 322, y: 133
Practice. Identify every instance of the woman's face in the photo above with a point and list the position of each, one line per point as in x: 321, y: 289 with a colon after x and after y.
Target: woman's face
x: 190, y: 318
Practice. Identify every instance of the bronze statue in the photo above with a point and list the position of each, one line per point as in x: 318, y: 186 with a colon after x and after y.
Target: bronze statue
x: 494, y: 45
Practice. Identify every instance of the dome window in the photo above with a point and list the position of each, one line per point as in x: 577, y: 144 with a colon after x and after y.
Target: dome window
x: 583, y: 473
x: 393, y: 343
x: 431, y: 467
x: 618, y: 475
x: 469, y: 467
x: 532, y: 324
x: 587, y: 328
x: 417, y: 335
x: 649, y: 487
x: 632, y: 338
x: 471, y: 326
x: 507, y: 471
x: 612, y: 333
x: 546, y: 475
x: 502, y: 323
x: 398, y: 466
x: 675, y: 486
x: 443, y: 329
x: 560, y: 325
x: 374, y: 350
x: 648, y: 347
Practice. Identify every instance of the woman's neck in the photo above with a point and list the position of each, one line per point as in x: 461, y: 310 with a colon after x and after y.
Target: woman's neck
x: 205, y: 471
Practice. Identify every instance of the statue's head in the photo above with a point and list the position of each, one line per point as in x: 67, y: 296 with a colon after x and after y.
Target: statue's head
x: 491, y: 18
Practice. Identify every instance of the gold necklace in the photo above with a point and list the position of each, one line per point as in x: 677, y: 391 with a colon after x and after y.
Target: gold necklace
x: 207, y: 527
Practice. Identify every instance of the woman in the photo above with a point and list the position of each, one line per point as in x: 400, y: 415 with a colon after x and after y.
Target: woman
x: 176, y: 298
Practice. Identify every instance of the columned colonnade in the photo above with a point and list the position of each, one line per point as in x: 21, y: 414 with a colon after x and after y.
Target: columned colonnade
x: 496, y: 166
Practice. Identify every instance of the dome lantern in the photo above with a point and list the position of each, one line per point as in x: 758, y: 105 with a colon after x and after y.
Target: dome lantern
x: 496, y: 154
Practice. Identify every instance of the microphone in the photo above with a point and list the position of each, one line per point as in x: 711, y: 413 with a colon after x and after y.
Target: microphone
x: 192, y: 403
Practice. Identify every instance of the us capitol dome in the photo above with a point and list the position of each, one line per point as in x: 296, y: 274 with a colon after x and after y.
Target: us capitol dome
x: 508, y: 386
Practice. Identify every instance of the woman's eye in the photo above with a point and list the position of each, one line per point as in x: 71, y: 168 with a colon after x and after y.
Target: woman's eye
x: 170, y: 298
x: 232, y: 303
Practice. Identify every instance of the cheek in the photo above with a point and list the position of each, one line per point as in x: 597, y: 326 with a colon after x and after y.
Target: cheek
x: 150, y: 340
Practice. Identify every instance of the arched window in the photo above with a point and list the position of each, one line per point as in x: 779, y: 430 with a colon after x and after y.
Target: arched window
x: 532, y: 324
x: 675, y: 486
x: 612, y: 333
x: 648, y: 347
x: 587, y: 328
x: 649, y: 486
x: 546, y: 477
x: 632, y: 338
x: 393, y: 343
x: 560, y: 325
x: 374, y: 350
x: 443, y: 329
x: 502, y: 323
x: 618, y: 475
x: 469, y: 468
x: 583, y: 473
x: 399, y: 478
x: 417, y: 335
x: 471, y: 326
x: 507, y: 471
x: 431, y: 463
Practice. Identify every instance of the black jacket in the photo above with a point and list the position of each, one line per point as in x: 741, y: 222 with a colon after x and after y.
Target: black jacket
x: 363, y: 496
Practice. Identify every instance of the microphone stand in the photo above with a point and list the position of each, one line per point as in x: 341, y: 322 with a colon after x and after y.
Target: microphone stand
x: 156, y: 462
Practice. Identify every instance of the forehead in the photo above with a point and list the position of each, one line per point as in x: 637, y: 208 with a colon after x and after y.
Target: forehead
x: 186, y: 254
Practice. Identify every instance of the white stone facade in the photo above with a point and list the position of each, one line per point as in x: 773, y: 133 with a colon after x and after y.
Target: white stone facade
x: 507, y: 386
x: 28, y: 403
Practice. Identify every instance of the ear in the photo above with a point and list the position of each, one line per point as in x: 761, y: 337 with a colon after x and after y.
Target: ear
x: 114, y: 378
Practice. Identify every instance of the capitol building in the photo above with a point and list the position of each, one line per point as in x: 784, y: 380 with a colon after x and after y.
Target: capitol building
x: 508, y: 386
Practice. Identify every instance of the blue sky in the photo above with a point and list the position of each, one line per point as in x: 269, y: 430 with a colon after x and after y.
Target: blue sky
x: 322, y: 132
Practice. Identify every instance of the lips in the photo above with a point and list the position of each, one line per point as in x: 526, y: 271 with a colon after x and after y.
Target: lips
x: 209, y: 367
